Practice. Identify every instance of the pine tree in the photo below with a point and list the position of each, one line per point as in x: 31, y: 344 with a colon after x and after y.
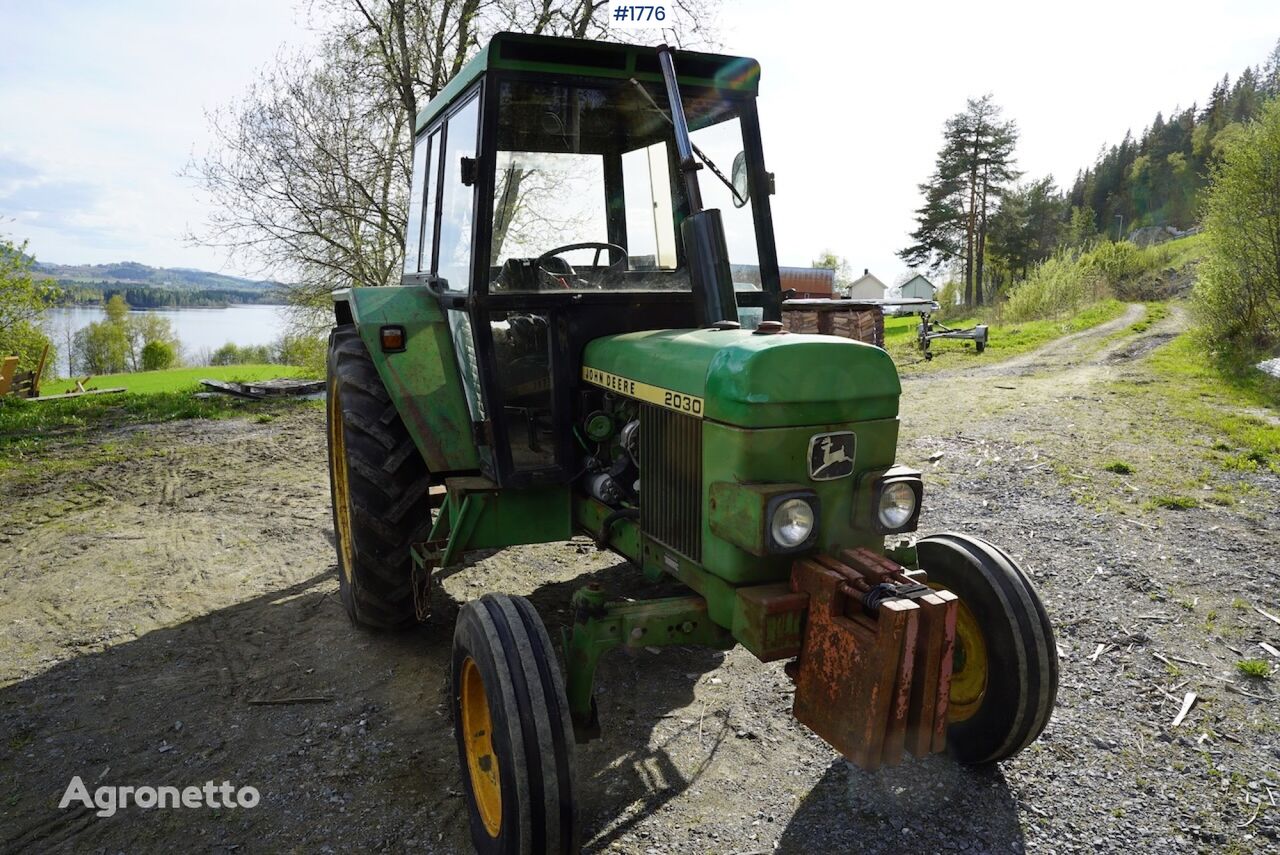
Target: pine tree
x: 973, y: 168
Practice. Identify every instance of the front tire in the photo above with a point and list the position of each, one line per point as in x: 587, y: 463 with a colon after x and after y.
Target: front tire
x: 1005, y: 672
x: 511, y: 723
x: 379, y: 486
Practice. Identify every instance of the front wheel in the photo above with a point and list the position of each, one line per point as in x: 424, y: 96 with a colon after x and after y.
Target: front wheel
x: 1004, y: 677
x: 511, y: 722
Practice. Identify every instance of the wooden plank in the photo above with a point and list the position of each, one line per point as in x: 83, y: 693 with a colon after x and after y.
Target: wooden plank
x: 66, y: 395
x: 35, y: 379
x: 237, y: 389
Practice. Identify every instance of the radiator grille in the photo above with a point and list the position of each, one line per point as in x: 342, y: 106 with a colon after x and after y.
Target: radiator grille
x: 671, y: 479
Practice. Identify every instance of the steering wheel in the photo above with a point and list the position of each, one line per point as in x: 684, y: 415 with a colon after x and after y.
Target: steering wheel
x: 598, y: 246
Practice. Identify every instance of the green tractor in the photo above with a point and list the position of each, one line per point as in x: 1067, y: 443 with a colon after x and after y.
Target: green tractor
x: 587, y: 341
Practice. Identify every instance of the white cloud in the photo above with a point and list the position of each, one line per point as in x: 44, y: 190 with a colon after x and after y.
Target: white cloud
x: 109, y: 100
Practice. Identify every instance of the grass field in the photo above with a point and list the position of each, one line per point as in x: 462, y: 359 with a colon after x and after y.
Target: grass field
x: 1237, y: 401
x: 151, y: 396
x: 176, y: 379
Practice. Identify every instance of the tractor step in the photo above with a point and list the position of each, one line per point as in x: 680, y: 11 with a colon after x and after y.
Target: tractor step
x: 874, y: 672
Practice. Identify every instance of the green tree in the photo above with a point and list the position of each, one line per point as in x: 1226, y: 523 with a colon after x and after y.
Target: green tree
x: 101, y: 348
x: 248, y: 354
x: 117, y: 310
x: 973, y: 168
x: 1159, y: 178
x: 144, y: 329
x: 304, y: 351
x: 1238, y: 293
x: 130, y: 333
x: 1027, y: 227
x: 158, y: 355
x: 1082, y: 228
x: 23, y: 298
x: 828, y: 260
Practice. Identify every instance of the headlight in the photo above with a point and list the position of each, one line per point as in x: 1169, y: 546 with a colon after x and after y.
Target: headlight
x: 792, y: 523
x: 898, y: 505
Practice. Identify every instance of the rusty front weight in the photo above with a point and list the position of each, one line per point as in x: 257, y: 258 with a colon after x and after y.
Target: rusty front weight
x: 873, y: 682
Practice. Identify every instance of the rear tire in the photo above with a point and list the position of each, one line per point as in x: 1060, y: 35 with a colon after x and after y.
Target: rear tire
x: 379, y: 486
x: 511, y: 723
x: 1005, y: 676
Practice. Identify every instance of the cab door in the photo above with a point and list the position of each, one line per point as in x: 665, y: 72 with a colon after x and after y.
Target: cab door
x: 433, y: 380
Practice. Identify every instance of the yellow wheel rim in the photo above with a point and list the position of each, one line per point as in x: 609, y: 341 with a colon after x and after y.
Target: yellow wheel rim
x: 968, y: 665
x: 341, y: 485
x: 477, y: 736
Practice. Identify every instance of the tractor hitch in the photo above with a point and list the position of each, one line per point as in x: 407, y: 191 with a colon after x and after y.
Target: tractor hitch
x: 874, y: 672
x: 600, y: 625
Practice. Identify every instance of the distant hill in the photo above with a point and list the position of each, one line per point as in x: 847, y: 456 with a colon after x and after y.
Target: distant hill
x: 131, y: 274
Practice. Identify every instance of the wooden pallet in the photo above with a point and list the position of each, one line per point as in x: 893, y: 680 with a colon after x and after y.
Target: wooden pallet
x: 843, y: 318
x: 22, y: 384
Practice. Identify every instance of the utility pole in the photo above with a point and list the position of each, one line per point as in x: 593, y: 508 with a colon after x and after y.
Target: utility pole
x: 1120, y: 228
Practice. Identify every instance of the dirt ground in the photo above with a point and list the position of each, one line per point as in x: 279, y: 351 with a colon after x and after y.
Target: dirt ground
x: 158, y: 580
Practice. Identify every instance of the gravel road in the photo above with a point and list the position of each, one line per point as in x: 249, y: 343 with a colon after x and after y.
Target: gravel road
x: 156, y: 582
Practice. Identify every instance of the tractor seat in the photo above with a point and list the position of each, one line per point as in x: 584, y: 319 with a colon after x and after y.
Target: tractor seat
x: 523, y: 274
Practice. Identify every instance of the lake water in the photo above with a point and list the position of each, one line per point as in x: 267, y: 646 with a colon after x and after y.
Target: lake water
x: 200, y: 330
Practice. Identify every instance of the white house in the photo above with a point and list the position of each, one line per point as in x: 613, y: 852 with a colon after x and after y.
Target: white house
x: 867, y: 287
x: 917, y: 288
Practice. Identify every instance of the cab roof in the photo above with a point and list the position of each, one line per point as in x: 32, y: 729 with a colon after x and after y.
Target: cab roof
x: 522, y: 52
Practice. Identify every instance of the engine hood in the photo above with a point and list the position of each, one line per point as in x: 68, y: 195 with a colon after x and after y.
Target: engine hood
x: 748, y: 380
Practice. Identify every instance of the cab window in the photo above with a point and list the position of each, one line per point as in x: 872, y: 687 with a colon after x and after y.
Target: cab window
x: 457, y: 200
x: 586, y: 192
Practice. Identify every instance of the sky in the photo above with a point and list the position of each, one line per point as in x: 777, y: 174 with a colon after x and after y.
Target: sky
x: 102, y: 104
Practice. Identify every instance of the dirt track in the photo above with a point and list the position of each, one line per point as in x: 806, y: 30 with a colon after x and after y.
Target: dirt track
x: 156, y: 581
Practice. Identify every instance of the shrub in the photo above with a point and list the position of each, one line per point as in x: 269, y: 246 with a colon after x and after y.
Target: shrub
x: 948, y: 299
x: 1238, y: 294
x: 27, y: 341
x: 1117, y: 262
x: 158, y: 355
x: 1175, y: 503
x: 1055, y: 289
x: 102, y: 348
x: 304, y: 351
x: 22, y: 299
x: 235, y: 354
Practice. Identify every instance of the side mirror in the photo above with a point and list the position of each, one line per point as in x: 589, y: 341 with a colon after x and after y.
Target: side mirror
x: 741, y: 187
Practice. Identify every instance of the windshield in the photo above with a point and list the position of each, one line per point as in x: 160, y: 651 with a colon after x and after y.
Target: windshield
x: 586, y: 195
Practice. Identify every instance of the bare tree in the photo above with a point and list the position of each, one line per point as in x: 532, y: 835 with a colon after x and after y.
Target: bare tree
x: 309, y: 173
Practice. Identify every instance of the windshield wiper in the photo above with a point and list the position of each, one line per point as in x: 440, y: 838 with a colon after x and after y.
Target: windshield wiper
x: 706, y: 160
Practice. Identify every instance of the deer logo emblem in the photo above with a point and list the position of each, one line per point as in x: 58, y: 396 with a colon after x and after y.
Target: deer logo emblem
x: 831, y: 456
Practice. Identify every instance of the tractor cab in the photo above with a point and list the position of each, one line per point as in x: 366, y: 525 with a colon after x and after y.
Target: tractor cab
x: 545, y: 212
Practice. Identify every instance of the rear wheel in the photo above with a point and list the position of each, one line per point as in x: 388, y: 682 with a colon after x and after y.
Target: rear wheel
x: 511, y: 722
x: 1004, y: 675
x: 379, y: 486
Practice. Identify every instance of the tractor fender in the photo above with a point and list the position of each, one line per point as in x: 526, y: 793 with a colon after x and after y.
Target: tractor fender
x: 422, y: 380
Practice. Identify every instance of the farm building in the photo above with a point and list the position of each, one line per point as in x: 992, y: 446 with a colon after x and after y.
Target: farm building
x: 808, y: 282
x: 917, y: 288
x: 867, y: 287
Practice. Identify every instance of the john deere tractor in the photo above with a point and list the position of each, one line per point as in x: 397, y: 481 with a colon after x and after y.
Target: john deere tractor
x: 586, y: 340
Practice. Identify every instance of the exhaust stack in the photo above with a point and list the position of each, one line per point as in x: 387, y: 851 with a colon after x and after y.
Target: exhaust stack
x: 702, y: 232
